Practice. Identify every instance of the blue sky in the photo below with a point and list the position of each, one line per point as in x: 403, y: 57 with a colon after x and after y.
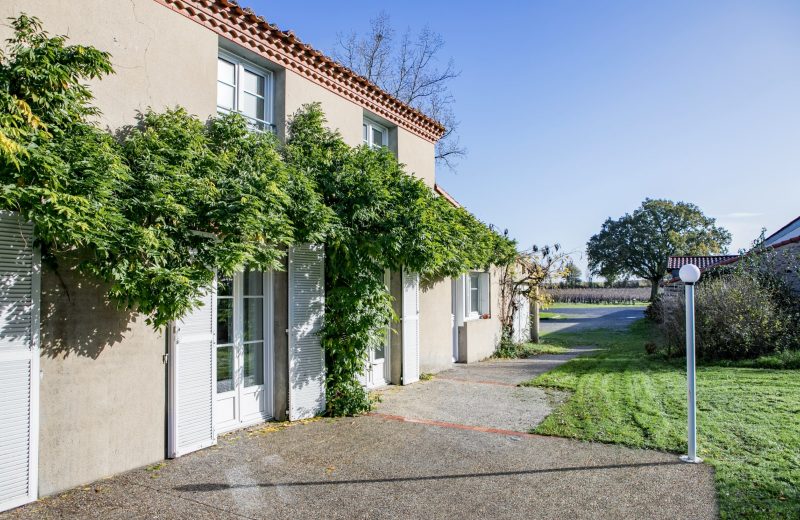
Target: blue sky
x: 576, y: 111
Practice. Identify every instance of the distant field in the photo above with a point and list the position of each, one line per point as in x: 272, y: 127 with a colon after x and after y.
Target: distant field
x: 600, y: 295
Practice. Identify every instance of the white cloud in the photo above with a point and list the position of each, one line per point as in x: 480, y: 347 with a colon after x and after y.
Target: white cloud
x: 742, y: 214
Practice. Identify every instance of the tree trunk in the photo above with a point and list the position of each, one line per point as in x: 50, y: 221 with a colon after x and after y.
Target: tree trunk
x: 654, y: 288
x: 535, y: 317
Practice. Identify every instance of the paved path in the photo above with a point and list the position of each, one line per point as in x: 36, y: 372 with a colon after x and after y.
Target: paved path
x: 585, y: 318
x: 464, y: 457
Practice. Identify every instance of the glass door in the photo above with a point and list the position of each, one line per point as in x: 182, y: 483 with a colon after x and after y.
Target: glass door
x: 243, y: 349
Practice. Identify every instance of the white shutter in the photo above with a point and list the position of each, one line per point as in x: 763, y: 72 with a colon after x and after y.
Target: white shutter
x: 484, y: 283
x: 410, y: 330
x: 192, y: 369
x: 306, y: 312
x: 522, y: 318
x: 19, y: 361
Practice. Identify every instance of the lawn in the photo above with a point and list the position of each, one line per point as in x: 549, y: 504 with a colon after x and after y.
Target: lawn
x: 556, y: 305
x: 748, y: 418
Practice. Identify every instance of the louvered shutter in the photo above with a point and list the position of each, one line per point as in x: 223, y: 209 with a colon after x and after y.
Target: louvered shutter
x: 19, y: 361
x: 306, y: 312
x: 410, y: 328
x: 484, y: 285
x: 192, y: 379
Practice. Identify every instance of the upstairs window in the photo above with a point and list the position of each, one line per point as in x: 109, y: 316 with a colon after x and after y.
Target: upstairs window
x: 246, y: 89
x: 375, y: 135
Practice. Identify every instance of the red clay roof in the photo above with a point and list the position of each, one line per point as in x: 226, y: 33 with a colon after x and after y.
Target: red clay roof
x: 246, y: 28
x: 438, y: 189
x: 703, y: 262
x: 735, y: 258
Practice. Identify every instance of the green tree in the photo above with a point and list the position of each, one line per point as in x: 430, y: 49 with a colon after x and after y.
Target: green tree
x: 573, y: 274
x: 640, y: 243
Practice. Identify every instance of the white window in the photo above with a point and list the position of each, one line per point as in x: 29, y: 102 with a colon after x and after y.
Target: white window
x: 246, y: 89
x: 374, y: 135
x: 476, y: 295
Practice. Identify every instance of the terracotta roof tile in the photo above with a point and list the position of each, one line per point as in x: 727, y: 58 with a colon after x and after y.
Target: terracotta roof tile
x: 703, y: 262
x: 246, y: 28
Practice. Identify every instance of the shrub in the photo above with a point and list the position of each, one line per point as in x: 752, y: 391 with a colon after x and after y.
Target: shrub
x: 655, y: 311
x: 739, y: 315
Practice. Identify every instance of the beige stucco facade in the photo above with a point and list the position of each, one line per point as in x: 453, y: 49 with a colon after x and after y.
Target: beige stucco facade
x: 104, y: 379
x: 102, y: 386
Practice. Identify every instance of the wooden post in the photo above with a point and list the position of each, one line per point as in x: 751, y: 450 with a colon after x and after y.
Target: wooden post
x: 535, y: 316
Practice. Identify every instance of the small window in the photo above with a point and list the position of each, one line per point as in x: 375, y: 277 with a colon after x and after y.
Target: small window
x: 246, y: 89
x: 374, y: 135
x: 476, y: 295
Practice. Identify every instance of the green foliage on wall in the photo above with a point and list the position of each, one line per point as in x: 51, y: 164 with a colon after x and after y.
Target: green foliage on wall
x: 384, y: 218
x: 172, y: 201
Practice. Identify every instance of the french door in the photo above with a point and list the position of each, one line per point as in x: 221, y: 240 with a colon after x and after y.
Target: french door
x: 243, y: 350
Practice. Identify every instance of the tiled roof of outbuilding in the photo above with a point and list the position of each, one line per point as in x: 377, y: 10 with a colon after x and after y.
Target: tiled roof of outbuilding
x: 703, y: 262
x: 244, y: 27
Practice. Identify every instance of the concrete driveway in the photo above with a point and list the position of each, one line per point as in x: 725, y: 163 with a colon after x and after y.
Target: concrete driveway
x: 575, y: 319
x: 453, y: 447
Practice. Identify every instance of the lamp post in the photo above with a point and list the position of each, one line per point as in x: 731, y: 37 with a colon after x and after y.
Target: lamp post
x: 689, y: 275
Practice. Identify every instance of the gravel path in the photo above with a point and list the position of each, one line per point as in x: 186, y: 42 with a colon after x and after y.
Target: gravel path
x: 585, y: 318
x: 451, y: 447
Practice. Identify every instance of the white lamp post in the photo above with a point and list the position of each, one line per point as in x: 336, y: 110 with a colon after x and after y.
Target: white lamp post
x: 689, y: 275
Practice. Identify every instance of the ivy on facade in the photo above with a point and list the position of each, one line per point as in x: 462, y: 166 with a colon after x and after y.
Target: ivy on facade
x: 160, y: 208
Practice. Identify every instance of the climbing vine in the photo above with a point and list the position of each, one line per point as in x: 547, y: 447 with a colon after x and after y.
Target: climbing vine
x: 161, y: 207
x: 384, y: 218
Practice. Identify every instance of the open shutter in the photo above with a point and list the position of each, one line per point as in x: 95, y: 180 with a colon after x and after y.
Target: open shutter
x: 484, y: 284
x: 410, y: 328
x: 19, y: 361
x: 306, y: 312
x: 192, y: 370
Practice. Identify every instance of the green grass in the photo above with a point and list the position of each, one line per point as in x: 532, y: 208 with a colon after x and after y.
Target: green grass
x: 591, y: 305
x: 525, y: 350
x: 748, y: 418
x: 549, y: 316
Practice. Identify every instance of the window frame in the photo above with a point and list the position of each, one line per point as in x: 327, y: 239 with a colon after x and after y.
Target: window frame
x: 483, y: 290
x: 369, y: 125
x: 242, y: 65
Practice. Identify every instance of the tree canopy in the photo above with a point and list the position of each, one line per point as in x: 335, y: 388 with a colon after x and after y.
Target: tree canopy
x: 641, y: 243
x: 160, y: 209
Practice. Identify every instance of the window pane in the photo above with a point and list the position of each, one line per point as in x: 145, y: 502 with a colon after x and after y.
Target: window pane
x: 253, y: 83
x: 377, y: 137
x: 253, y: 319
x: 226, y: 71
x: 224, y: 96
x: 253, y: 364
x: 225, y: 286
x: 473, y: 293
x: 224, y: 369
x: 252, y: 106
x: 224, y: 321
x: 380, y: 351
x: 253, y: 283
x: 365, y: 134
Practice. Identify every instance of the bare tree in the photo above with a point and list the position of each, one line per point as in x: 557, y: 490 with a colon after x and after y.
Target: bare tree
x: 527, y: 276
x: 408, y: 68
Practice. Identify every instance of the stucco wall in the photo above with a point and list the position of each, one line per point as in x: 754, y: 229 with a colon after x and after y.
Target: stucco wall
x: 435, y: 329
x: 418, y: 156
x: 103, y: 386
x: 103, y: 390
x: 478, y: 339
x: 343, y: 115
x: 161, y: 58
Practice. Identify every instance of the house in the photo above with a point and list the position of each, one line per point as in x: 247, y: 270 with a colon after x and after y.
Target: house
x: 89, y: 390
x: 674, y: 263
x: 785, y: 243
x: 787, y: 232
